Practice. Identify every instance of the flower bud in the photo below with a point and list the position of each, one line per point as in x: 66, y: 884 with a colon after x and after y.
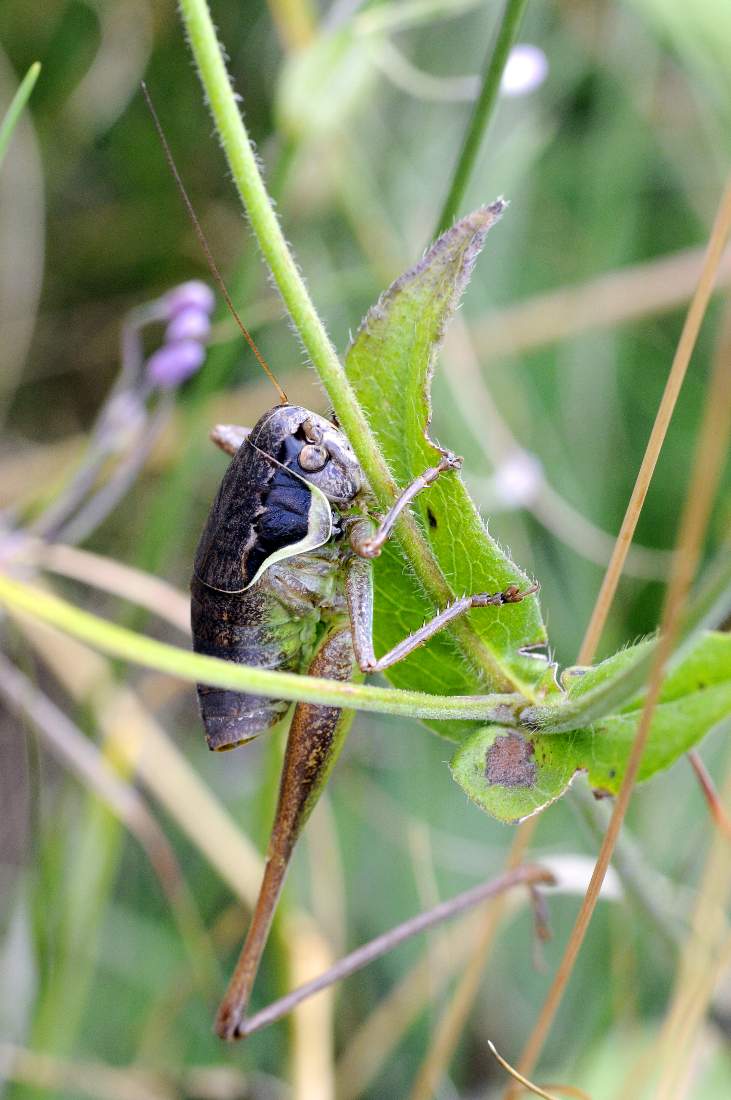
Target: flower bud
x: 171, y: 364
x: 190, y: 295
x: 190, y: 323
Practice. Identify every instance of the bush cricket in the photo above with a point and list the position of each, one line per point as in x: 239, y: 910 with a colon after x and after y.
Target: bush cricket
x: 283, y: 580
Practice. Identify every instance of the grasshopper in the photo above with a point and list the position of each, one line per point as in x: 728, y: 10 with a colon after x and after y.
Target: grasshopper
x: 283, y: 580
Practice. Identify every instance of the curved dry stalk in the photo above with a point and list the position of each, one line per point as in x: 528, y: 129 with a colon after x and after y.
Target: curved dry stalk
x: 537, y: 1090
x: 707, y: 467
x: 691, y: 328
x: 715, y: 805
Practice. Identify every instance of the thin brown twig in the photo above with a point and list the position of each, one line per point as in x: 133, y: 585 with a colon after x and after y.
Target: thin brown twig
x: 707, y: 466
x: 388, y: 941
x: 715, y: 805
x: 696, y: 312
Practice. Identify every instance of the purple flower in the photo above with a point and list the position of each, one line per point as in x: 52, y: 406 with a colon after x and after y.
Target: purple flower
x: 192, y: 295
x: 187, y: 309
x: 173, y: 363
x: 190, y: 323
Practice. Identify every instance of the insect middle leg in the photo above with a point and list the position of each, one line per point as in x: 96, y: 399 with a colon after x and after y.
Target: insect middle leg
x: 359, y: 590
x: 316, y: 736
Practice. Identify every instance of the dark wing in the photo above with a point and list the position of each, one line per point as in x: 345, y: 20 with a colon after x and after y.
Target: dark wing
x: 263, y: 513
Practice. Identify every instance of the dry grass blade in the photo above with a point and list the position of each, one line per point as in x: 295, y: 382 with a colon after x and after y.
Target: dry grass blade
x: 699, y: 304
x: 114, y: 577
x: 707, y: 466
x: 537, y: 1090
x: 312, y: 1051
x: 713, y: 800
x: 137, y: 738
x: 627, y: 294
x: 91, y: 1079
x: 100, y: 1081
x: 704, y: 959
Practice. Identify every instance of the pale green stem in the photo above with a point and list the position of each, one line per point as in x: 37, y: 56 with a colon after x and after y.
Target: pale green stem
x: 245, y: 171
x: 119, y: 642
x: 17, y: 103
x: 709, y: 607
x: 482, y: 111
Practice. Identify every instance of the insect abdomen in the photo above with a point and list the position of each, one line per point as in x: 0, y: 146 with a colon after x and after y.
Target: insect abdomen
x: 248, y: 628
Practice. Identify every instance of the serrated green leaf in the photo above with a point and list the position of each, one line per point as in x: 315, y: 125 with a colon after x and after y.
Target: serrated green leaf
x: 512, y: 775
x: 389, y: 364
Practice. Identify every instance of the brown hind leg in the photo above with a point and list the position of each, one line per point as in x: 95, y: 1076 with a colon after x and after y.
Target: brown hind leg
x: 315, y: 738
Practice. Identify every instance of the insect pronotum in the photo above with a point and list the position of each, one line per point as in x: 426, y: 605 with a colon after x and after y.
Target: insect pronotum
x: 283, y: 580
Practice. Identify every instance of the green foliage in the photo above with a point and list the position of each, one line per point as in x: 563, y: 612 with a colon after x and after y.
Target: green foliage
x: 390, y: 364
x: 15, y: 109
x: 615, y: 161
x: 512, y: 775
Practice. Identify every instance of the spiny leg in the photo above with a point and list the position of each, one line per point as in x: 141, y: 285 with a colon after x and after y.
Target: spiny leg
x: 369, y: 545
x: 316, y: 736
x: 359, y: 589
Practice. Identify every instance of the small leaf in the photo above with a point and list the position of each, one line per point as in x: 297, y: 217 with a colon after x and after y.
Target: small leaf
x: 512, y: 774
x: 390, y: 364
x: 505, y: 774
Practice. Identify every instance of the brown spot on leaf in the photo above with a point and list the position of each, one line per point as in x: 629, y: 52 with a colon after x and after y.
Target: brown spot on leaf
x: 431, y: 517
x: 509, y: 762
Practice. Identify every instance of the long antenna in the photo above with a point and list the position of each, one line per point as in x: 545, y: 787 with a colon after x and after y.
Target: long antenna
x: 206, y: 248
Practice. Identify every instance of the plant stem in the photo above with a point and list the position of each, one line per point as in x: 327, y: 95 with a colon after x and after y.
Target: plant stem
x: 117, y: 641
x: 709, y: 608
x: 482, y: 111
x: 17, y: 103
x: 245, y: 171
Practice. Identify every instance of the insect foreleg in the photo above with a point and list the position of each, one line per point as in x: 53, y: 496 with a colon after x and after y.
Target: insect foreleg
x: 229, y: 437
x: 370, y: 546
x: 316, y: 736
x: 359, y: 590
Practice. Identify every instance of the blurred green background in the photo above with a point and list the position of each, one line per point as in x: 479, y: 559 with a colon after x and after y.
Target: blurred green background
x: 548, y: 384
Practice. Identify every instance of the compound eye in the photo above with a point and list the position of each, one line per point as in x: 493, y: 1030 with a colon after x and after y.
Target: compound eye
x: 312, y: 458
x: 313, y: 434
